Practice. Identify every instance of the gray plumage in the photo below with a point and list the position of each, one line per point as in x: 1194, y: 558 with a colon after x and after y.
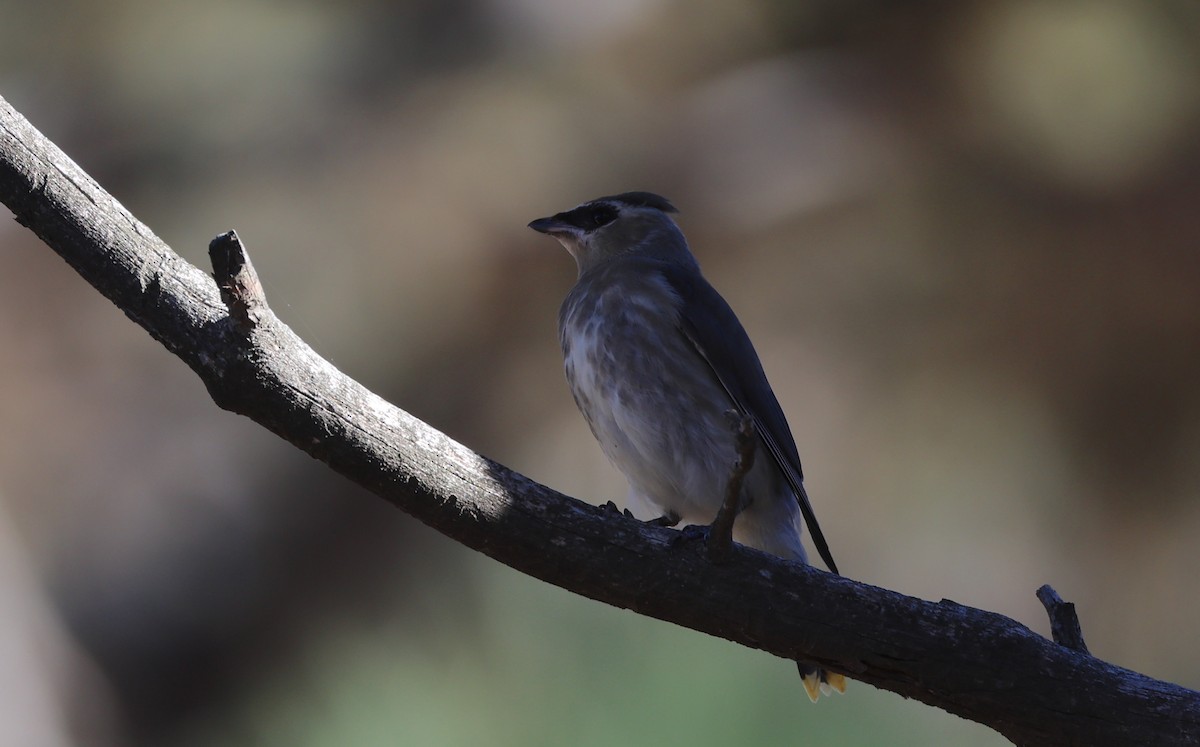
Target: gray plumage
x: 655, y: 357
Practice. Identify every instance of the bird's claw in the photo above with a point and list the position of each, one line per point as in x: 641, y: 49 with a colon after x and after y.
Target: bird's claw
x: 691, y: 533
x: 668, y: 519
x: 611, y: 507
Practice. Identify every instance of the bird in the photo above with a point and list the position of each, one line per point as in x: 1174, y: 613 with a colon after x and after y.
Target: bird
x: 655, y: 359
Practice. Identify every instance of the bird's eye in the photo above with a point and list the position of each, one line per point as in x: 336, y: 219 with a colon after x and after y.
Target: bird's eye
x: 592, y: 217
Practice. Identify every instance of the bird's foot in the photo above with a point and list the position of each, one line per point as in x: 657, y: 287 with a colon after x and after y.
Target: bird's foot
x: 669, y: 519
x: 614, y: 508
x: 690, y: 533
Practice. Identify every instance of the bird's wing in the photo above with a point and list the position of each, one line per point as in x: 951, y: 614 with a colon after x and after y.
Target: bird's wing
x: 720, y: 339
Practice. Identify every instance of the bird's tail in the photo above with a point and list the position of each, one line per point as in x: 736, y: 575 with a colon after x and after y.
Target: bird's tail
x: 817, y: 681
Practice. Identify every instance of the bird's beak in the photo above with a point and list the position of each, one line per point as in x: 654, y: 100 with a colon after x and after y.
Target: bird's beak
x: 552, y: 226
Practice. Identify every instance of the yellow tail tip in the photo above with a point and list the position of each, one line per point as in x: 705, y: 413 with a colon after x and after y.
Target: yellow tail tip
x: 835, y: 681
x: 824, y: 683
x: 812, y: 686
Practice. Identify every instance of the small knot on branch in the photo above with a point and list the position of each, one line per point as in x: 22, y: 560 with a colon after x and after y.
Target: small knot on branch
x: 720, y: 534
x: 1064, y: 622
x: 241, y: 290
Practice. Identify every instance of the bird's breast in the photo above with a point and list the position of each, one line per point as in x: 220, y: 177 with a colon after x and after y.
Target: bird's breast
x: 616, y: 337
x: 651, y: 400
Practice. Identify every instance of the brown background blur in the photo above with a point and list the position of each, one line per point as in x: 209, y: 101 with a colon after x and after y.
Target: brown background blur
x: 964, y: 237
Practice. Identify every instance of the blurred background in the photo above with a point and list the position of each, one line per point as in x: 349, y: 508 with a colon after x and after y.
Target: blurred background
x: 964, y: 237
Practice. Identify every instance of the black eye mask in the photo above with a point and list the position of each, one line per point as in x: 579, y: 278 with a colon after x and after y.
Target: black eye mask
x: 589, y: 217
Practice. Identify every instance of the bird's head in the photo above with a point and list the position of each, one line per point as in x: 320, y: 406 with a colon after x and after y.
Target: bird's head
x: 631, y: 223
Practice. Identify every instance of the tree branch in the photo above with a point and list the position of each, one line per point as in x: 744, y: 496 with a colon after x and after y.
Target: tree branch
x: 241, y: 290
x: 720, y: 534
x: 976, y: 664
x: 1064, y: 623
